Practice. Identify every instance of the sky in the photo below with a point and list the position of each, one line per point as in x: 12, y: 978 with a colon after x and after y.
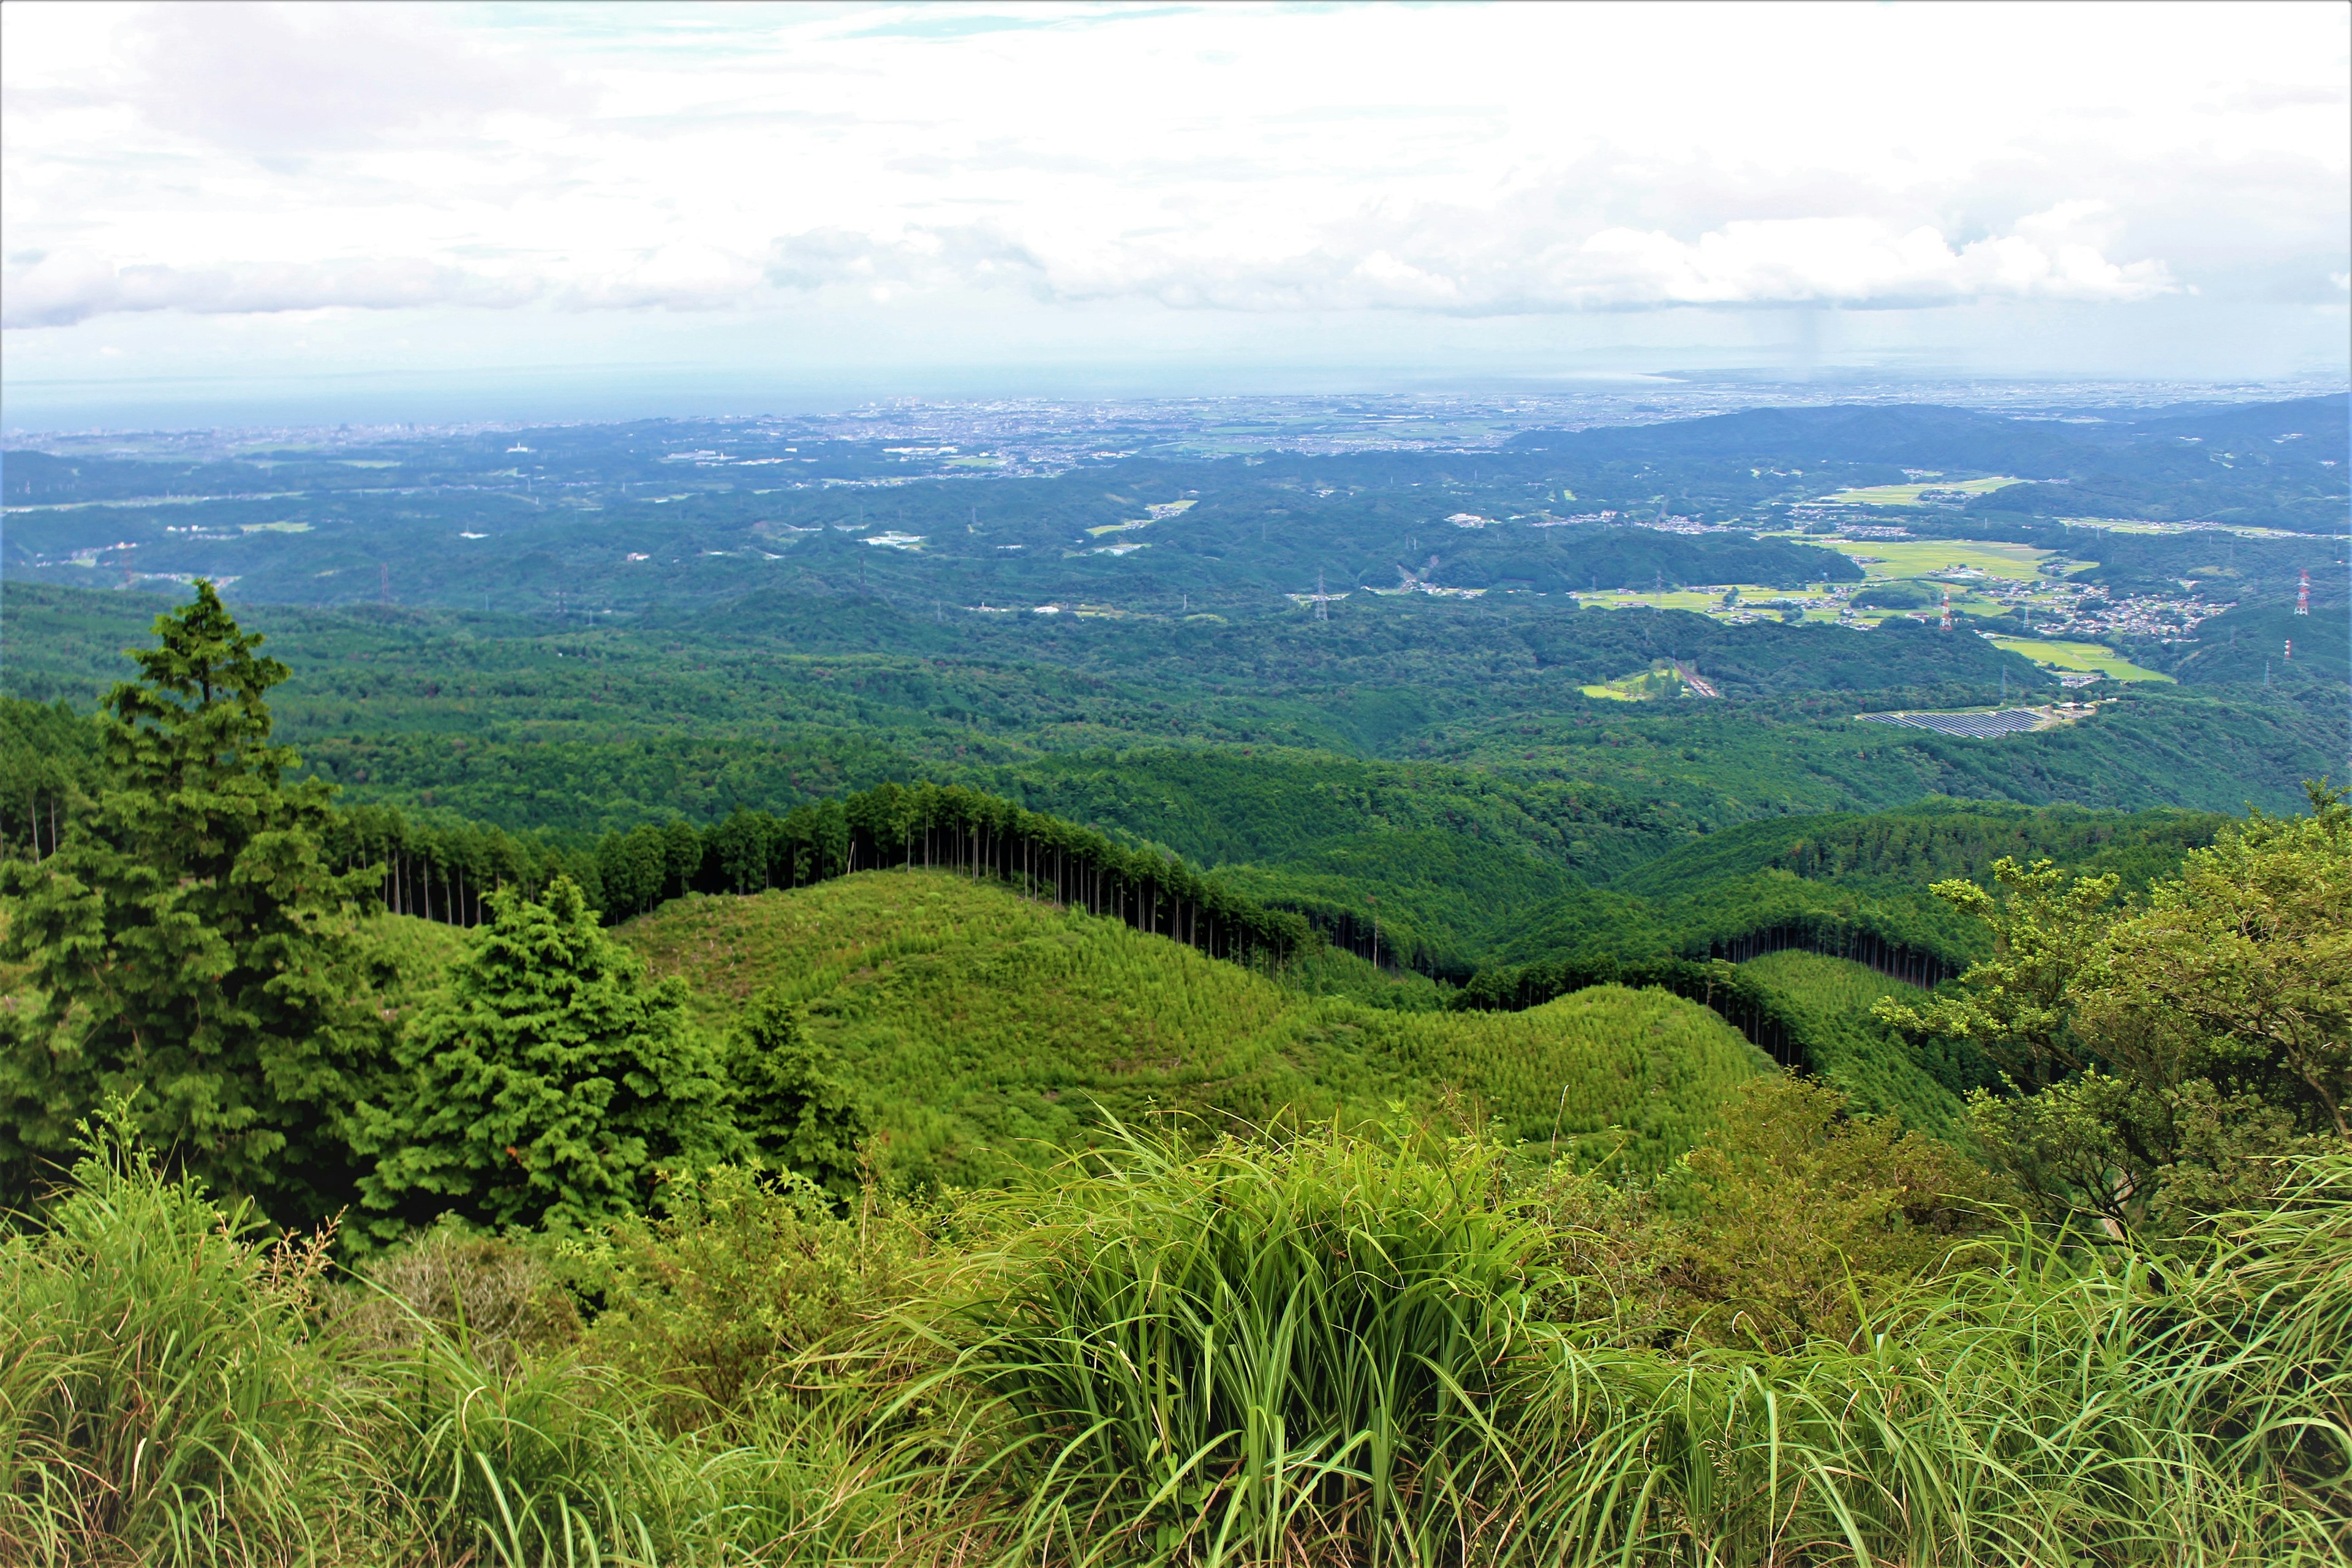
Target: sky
x: 394, y: 211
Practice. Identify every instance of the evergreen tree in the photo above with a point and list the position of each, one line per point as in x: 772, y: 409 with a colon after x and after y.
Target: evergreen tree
x: 548, y: 1083
x: 189, y: 944
x: 788, y: 1103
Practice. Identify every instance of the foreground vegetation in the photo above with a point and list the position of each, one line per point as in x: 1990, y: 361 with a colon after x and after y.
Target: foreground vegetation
x: 1400, y: 1347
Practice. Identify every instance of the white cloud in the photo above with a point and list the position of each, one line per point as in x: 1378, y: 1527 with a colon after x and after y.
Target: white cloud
x: 1465, y: 262
x: 1442, y: 162
x: 288, y: 82
x: 72, y: 286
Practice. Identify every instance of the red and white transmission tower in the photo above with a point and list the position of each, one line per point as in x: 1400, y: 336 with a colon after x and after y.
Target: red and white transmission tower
x: 2303, y: 596
x: 1948, y: 609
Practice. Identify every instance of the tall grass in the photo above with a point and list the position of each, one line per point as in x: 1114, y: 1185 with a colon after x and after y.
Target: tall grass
x: 1259, y: 1354
x: 1327, y: 1349
x: 2047, y: 1405
x: 162, y: 1399
x: 174, y: 1391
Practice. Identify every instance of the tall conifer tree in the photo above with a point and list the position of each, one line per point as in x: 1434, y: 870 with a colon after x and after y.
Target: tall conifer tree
x: 188, y: 942
x: 546, y: 1083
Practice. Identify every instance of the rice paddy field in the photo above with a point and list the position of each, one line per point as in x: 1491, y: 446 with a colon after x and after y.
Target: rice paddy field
x: 2082, y: 655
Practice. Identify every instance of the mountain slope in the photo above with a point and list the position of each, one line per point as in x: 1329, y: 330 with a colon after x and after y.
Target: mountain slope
x: 989, y: 1031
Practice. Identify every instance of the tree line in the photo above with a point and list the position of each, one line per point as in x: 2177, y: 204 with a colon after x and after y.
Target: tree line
x: 445, y: 870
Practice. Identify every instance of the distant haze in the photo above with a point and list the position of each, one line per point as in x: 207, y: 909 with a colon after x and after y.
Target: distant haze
x: 241, y: 214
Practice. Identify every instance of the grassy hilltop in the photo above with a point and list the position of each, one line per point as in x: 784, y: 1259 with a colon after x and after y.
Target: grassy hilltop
x: 989, y: 1030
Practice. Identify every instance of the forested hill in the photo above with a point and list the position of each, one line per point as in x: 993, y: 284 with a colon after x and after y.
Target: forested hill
x: 1460, y: 795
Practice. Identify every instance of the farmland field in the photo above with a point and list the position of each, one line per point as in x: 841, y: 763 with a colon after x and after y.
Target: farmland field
x: 1919, y: 557
x: 1909, y: 495
x: 2084, y: 655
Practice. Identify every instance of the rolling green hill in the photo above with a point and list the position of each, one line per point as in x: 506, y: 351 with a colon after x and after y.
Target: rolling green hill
x: 987, y: 1030
x: 1854, y: 1053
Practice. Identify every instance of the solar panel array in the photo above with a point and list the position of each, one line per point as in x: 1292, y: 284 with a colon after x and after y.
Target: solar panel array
x: 1973, y: 726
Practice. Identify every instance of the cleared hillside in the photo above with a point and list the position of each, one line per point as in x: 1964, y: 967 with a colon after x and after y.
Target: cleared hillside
x: 1851, y: 1050
x: 988, y: 1030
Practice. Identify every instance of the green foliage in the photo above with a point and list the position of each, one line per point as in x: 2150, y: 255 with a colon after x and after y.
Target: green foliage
x: 739, y: 1279
x: 2169, y: 1057
x: 1641, y: 1071
x: 1932, y: 840
x: 160, y: 1396
x: 1894, y: 595
x: 1417, y: 1341
x: 1789, y: 1223
x: 547, y: 1085
x: 442, y: 868
x: 1924, y: 1081
x: 2015, y: 1006
x: 983, y: 1029
x: 49, y: 760
x: 189, y: 937
x: 787, y: 1104
x: 2041, y: 1407
x: 1262, y: 1351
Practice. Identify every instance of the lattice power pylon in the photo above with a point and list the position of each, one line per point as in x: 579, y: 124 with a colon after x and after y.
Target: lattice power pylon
x: 1322, y: 599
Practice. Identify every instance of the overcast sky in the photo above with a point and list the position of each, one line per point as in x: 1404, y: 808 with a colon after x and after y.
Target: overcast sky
x: 1011, y: 197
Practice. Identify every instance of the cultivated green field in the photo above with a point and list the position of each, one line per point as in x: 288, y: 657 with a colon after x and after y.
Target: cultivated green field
x: 1909, y: 495
x: 990, y: 1031
x: 2087, y: 656
x: 1919, y: 557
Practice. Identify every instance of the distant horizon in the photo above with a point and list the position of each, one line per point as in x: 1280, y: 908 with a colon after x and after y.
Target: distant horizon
x: 347, y: 400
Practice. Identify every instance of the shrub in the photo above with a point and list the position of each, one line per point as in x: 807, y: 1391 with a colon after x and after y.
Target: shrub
x: 1792, y: 1222
x: 741, y: 1277
x: 497, y: 1298
x: 548, y: 1083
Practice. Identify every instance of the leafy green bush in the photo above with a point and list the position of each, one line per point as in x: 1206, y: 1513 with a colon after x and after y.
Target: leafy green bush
x: 1792, y: 1222
x: 2167, y: 1062
x: 739, y: 1279
x: 547, y: 1083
